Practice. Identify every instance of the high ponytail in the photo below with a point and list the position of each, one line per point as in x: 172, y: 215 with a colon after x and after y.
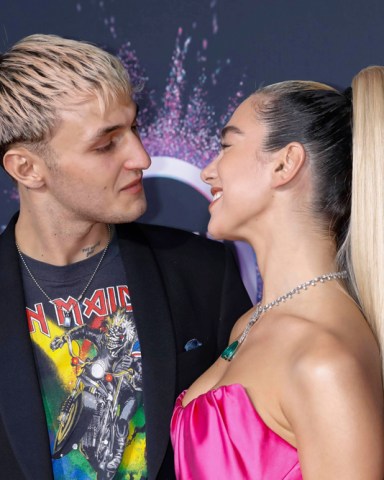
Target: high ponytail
x: 365, y: 241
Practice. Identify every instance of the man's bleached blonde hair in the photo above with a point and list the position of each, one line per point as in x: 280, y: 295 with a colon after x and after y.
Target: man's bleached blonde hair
x: 42, y: 74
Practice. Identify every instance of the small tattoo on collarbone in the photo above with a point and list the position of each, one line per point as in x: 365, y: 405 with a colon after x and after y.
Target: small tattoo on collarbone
x: 90, y: 250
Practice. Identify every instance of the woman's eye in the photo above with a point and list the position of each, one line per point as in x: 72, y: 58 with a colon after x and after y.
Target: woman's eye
x: 223, y: 146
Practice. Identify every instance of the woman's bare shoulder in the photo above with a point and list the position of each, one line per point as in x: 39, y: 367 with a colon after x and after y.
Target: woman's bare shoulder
x: 335, y: 397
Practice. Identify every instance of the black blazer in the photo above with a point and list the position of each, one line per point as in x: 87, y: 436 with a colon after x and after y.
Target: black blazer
x: 182, y: 287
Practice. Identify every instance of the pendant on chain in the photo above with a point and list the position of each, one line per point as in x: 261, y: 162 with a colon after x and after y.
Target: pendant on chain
x: 230, y: 351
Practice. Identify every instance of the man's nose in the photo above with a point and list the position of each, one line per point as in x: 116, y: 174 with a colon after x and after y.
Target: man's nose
x: 137, y: 156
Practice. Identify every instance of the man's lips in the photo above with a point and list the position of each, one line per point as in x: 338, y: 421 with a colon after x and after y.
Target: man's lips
x: 134, y: 186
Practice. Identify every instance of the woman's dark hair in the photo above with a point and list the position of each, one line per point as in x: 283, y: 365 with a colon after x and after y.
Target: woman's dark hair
x: 320, y: 118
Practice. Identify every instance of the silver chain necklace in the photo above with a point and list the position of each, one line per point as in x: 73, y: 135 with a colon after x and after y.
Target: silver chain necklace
x: 67, y: 317
x: 231, y: 350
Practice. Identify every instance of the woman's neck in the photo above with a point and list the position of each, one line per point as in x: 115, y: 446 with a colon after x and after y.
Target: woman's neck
x: 287, y: 258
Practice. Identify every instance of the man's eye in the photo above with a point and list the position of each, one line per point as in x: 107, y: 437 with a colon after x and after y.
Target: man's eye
x: 105, y: 148
x: 135, y: 128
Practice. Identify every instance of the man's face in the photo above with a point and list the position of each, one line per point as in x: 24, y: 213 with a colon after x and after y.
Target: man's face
x: 96, y: 171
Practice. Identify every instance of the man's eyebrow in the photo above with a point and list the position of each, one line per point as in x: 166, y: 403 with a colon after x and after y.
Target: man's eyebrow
x: 104, y: 131
x: 231, y: 129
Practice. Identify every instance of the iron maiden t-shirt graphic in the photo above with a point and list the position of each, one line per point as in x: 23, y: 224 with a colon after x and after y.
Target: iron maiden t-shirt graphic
x: 89, y: 366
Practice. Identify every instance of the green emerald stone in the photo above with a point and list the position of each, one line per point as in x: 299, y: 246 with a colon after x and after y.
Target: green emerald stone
x: 230, y: 351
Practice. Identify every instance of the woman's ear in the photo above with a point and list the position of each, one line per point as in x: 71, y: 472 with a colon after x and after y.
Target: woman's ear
x: 24, y: 167
x: 287, y: 163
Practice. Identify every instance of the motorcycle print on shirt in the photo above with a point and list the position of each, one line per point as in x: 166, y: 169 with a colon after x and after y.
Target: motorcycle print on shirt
x: 94, y: 400
x: 95, y: 416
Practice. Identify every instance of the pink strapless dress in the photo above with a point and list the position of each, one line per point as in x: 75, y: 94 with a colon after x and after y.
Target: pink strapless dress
x: 219, y: 435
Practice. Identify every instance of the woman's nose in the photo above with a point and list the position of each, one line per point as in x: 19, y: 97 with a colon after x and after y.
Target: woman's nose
x: 209, y: 172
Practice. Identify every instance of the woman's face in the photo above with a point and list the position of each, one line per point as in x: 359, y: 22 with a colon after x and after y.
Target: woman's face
x: 239, y: 176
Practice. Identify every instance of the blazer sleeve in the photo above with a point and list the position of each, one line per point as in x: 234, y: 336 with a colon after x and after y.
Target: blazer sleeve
x: 204, y: 292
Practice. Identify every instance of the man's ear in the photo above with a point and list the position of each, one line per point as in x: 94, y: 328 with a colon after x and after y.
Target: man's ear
x: 287, y: 163
x: 24, y: 167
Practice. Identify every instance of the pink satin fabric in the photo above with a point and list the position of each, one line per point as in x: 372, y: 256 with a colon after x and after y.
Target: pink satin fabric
x: 220, y: 435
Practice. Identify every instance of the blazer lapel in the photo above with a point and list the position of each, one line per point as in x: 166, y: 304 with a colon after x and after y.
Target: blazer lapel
x: 156, y: 335
x: 21, y: 407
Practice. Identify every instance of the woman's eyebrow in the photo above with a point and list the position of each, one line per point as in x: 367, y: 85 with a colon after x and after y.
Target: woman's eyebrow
x: 231, y: 129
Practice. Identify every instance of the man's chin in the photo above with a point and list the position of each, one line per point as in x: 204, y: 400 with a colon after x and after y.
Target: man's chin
x: 132, y: 214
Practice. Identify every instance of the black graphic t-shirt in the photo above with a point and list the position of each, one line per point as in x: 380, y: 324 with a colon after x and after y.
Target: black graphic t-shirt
x: 88, y: 359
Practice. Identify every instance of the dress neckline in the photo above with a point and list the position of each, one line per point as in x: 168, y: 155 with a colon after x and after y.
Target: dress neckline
x: 228, y: 389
